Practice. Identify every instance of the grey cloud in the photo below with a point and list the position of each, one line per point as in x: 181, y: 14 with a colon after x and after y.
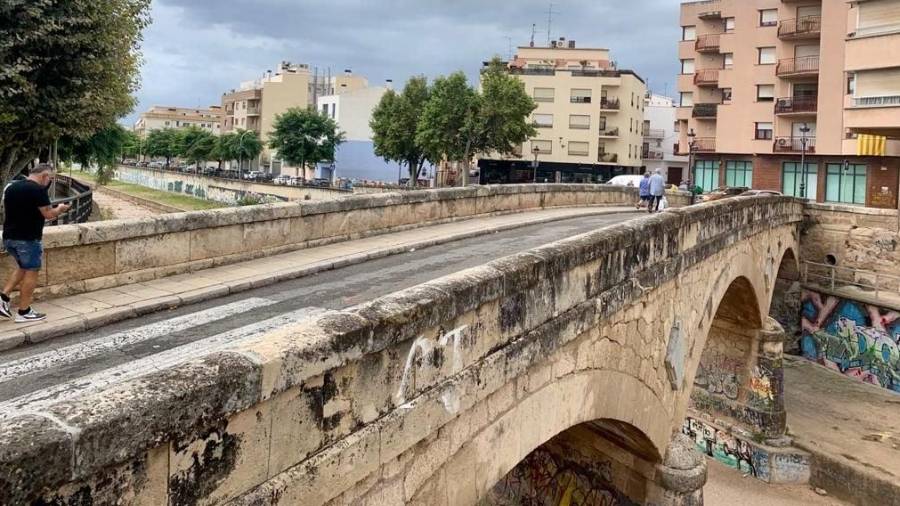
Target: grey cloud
x: 197, y: 49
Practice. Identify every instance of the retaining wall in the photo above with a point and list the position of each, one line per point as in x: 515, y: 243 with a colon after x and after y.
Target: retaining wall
x: 92, y: 256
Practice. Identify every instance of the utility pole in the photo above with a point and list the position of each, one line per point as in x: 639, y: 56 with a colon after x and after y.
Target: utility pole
x: 509, y: 54
x: 803, y: 175
x: 550, y: 13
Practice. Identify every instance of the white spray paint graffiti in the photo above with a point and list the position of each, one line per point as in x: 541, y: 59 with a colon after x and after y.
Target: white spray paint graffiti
x: 422, y: 348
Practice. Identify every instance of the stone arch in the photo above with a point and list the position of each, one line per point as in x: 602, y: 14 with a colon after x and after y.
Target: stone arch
x: 784, y: 305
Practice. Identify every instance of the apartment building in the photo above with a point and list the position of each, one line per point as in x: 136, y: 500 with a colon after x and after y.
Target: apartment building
x: 159, y: 117
x: 799, y: 96
x: 660, y: 137
x: 255, y: 104
x: 589, y: 118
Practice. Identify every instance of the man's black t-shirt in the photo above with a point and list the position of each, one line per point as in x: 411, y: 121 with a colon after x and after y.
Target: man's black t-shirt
x: 22, y: 202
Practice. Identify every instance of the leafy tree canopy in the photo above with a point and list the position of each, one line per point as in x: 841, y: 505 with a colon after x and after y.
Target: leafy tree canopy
x: 303, y: 136
x: 395, y: 123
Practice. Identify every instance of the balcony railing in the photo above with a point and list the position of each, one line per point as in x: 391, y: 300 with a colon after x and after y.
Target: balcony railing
x: 796, y: 105
x: 580, y: 100
x: 709, y: 77
x: 889, y: 101
x: 655, y: 133
x: 794, y: 144
x: 653, y: 155
x: 707, y: 43
x: 705, y: 110
x: 800, y: 28
x: 607, y: 157
x: 704, y: 144
x: 798, y: 66
x: 612, y: 132
x: 611, y: 104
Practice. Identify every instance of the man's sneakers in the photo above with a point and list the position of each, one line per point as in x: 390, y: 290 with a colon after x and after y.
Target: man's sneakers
x: 5, y: 311
x: 29, y: 315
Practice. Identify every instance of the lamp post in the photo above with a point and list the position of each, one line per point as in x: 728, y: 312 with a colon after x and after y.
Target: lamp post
x: 534, y: 165
x: 241, y: 154
x: 803, y: 140
x: 691, y: 145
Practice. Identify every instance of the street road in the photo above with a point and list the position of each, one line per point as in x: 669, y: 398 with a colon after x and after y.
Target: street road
x: 33, y: 377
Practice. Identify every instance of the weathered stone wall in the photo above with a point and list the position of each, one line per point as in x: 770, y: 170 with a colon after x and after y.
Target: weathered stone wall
x: 857, y: 237
x: 427, y: 396
x: 100, y: 255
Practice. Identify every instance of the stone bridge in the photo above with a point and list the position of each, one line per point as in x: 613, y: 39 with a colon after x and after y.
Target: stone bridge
x: 582, y: 354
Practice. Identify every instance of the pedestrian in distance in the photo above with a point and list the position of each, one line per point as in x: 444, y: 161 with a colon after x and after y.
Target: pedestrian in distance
x: 644, y: 191
x: 27, y: 205
x: 657, y: 190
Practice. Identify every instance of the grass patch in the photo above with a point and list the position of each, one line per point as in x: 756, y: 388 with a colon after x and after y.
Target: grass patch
x: 183, y: 202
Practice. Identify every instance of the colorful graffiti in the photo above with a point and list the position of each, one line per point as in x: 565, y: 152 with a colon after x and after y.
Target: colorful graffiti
x: 718, y: 374
x: 858, y: 339
x: 722, y: 446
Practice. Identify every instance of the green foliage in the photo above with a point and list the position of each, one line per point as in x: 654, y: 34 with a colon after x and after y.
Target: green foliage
x: 102, y: 149
x: 196, y: 145
x: 445, y: 129
x: 133, y: 145
x: 241, y: 145
x: 503, y: 123
x: 303, y: 136
x: 165, y: 143
x: 395, y: 123
x: 67, y: 69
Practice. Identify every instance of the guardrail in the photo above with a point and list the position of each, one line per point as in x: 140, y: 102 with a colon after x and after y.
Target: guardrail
x: 833, y: 276
x: 81, y: 202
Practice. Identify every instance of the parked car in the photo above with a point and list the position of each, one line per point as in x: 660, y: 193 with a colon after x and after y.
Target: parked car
x: 282, y: 179
x: 723, y: 192
x: 626, y: 180
x: 297, y: 181
x: 253, y: 175
x: 156, y: 165
x: 761, y: 193
x: 320, y: 181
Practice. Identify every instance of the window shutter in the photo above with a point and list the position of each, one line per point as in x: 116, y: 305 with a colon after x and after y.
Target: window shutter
x: 878, y: 83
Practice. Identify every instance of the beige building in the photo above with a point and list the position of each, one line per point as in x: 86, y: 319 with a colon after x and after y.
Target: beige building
x: 589, y: 118
x: 766, y: 82
x: 160, y: 117
x: 255, y: 104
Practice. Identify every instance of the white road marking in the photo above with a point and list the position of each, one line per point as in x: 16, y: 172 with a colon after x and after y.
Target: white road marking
x: 93, y: 383
x: 49, y: 360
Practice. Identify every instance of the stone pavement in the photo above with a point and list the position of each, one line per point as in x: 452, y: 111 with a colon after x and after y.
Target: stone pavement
x: 726, y: 486
x: 90, y: 310
x: 852, y: 429
x: 115, y: 208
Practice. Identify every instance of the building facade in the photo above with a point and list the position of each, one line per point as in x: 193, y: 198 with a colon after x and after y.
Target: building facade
x: 589, y: 118
x: 799, y: 96
x: 160, y: 117
x: 660, y: 137
x: 255, y: 105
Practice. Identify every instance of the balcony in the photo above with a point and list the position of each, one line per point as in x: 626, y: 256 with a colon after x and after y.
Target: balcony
x: 652, y: 155
x: 655, y: 133
x: 794, y: 144
x: 607, y: 157
x: 711, y: 13
x: 704, y: 145
x: 806, y: 66
x: 708, y: 77
x: 807, y: 27
x: 797, y: 106
x: 707, y: 43
x: 888, y: 101
x: 579, y: 100
x: 706, y: 111
x: 609, y: 104
x: 611, y: 133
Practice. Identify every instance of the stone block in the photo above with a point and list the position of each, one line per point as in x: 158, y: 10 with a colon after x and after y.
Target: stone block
x: 215, y: 242
x: 25, y: 469
x: 267, y: 234
x: 153, y: 251
x: 297, y: 430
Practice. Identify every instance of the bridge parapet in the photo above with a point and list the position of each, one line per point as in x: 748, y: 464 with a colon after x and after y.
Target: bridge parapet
x: 437, y: 390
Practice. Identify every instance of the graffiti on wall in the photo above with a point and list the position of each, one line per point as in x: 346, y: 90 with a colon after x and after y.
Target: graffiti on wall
x: 858, y: 339
x: 725, y: 447
x: 718, y: 374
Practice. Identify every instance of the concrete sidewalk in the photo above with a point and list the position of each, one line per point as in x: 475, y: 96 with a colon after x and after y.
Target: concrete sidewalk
x: 90, y: 310
x: 852, y: 430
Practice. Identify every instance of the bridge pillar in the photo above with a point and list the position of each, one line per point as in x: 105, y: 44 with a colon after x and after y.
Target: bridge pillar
x: 681, y: 475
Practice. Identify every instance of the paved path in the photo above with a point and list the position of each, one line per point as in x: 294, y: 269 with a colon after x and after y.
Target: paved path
x: 119, y: 209
x: 728, y: 487
x: 68, y: 366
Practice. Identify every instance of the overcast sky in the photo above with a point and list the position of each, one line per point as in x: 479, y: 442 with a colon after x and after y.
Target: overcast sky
x: 197, y: 49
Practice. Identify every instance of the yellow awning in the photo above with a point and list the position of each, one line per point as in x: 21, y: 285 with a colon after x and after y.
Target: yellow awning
x: 871, y: 145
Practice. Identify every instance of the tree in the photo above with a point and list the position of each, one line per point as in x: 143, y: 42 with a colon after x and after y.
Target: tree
x: 394, y: 125
x: 303, y: 136
x: 102, y: 149
x: 196, y: 144
x: 67, y: 69
x: 165, y: 143
x: 459, y: 122
x: 133, y: 145
x: 221, y: 150
x: 245, y: 145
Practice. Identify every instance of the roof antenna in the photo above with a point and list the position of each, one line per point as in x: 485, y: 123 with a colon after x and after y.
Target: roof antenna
x: 550, y: 13
x: 533, y: 31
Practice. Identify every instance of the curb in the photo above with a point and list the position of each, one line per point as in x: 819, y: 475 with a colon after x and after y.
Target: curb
x: 41, y: 332
x: 849, y: 481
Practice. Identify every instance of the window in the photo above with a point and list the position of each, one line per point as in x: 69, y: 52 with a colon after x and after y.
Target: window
x: 687, y: 66
x: 688, y: 33
x: 845, y: 183
x: 677, y: 126
x: 706, y: 174
x: 728, y: 61
x: 726, y: 95
x: 738, y: 173
x: 580, y: 96
x: 544, y: 94
x: 686, y: 99
x: 768, y: 17
x: 543, y: 147
x: 729, y: 25
x: 766, y: 55
x: 579, y: 121
x: 851, y: 84
x: 792, y: 177
x: 765, y: 92
x: 543, y: 120
x: 578, y: 148
x: 877, y: 17
x: 764, y: 131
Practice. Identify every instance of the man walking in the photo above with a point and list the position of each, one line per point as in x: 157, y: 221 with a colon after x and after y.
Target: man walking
x: 27, y: 205
x: 644, y: 191
x: 657, y: 190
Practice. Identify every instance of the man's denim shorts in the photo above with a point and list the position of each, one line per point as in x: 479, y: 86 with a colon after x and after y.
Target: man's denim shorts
x: 28, y: 254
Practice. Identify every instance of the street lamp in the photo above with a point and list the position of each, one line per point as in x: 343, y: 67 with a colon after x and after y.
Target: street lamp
x: 241, y: 154
x: 803, y: 140
x: 534, y: 165
x: 691, y: 146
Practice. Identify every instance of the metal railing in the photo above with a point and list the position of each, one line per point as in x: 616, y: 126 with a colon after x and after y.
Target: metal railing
x: 653, y: 155
x: 800, y: 27
x: 792, y: 105
x: 705, y: 111
x: 793, y: 145
x: 608, y: 157
x: 609, y: 103
x: 804, y: 65
x: 612, y: 132
x: 704, y: 144
x: 886, y: 101
x: 832, y: 277
x: 655, y: 133
x: 81, y: 199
